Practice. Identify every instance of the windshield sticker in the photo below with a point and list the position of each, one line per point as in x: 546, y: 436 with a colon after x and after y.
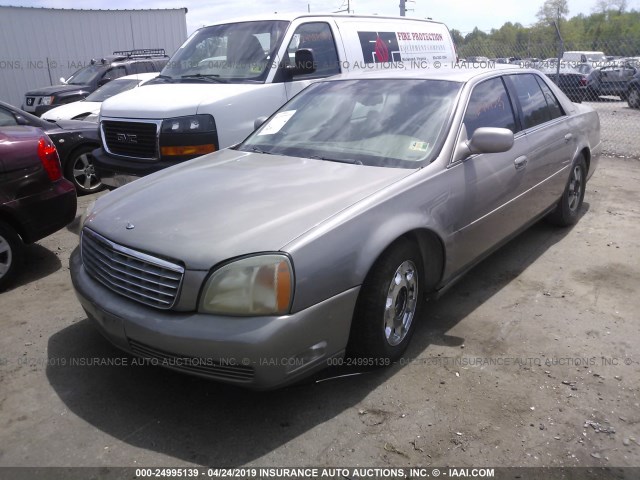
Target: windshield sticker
x: 277, y: 123
x: 419, y: 146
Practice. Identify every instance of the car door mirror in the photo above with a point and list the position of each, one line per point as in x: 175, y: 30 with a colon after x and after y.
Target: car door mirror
x: 304, y: 63
x: 20, y: 120
x: 486, y: 140
x: 258, y: 122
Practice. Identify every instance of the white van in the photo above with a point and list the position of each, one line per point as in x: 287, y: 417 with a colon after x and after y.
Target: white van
x: 227, y: 75
x: 584, y: 57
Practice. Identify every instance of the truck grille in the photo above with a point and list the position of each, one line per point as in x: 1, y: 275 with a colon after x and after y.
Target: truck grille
x: 135, y: 275
x: 208, y: 367
x: 131, y: 139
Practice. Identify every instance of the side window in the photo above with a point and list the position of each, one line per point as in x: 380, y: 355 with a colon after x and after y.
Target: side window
x: 6, y: 118
x: 115, y: 72
x: 534, y: 105
x: 317, y: 37
x: 141, y: 67
x: 489, y: 106
x: 555, y: 110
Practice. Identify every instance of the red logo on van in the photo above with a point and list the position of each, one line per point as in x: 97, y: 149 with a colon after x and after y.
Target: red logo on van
x: 382, y: 51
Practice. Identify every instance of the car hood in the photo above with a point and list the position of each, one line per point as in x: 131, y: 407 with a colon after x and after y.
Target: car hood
x: 71, y: 110
x: 44, y: 91
x: 185, y: 99
x: 232, y: 203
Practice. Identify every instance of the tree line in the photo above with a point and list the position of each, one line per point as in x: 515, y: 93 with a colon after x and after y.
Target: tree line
x: 610, y: 28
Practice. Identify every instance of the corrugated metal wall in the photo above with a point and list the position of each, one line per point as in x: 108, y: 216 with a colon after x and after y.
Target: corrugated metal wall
x: 40, y: 45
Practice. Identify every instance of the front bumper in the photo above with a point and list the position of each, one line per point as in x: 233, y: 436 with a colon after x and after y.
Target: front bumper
x: 254, y: 352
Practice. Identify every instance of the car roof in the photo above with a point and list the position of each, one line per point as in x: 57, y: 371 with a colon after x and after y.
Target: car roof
x: 138, y: 76
x: 295, y: 15
x: 454, y: 74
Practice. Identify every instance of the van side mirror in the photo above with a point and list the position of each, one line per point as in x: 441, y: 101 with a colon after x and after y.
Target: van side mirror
x: 258, y: 122
x: 486, y: 140
x: 304, y: 63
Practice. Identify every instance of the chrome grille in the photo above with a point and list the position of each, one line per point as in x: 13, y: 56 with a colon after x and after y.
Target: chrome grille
x: 135, y: 275
x: 131, y: 139
x: 208, y: 367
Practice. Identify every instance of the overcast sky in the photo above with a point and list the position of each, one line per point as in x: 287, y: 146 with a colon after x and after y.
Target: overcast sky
x: 463, y: 15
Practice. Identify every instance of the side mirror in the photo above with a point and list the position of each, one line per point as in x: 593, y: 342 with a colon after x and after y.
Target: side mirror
x: 486, y: 140
x: 304, y: 63
x: 103, y: 81
x: 258, y: 122
x: 63, y: 81
x: 20, y: 120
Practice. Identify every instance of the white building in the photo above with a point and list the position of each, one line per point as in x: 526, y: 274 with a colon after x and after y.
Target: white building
x: 40, y: 45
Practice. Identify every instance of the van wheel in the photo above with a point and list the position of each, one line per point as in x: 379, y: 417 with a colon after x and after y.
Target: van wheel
x: 10, y: 254
x: 568, y: 208
x: 389, y: 305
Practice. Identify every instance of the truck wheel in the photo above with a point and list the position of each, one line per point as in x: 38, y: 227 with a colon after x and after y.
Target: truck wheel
x: 633, y: 98
x: 389, y: 305
x: 80, y: 170
x: 10, y: 254
x: 568, y: 208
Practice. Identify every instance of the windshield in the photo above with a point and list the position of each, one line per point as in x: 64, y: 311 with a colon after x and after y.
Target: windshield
x: 233, y: 52
x: 112, y: 88
x: 85, y: 75
x: 390, y: 123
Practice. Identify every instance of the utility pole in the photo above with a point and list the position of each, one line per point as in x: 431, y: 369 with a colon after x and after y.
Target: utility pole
x: 403, y: 8
x: 348, y: 9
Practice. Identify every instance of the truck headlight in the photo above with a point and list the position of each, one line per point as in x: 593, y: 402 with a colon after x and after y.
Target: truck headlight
x: 190, y: 124
x: 47, y: 100
x: 256, y: 285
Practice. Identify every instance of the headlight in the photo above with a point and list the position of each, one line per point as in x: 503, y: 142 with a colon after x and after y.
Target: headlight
x: 86, y: 216
x: 47, y: 100
x: 92, y: 117
x: 190, y: 124
x: 258, y: 285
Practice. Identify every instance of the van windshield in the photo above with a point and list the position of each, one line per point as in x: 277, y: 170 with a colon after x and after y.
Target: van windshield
x: 397, y: 123
x: 234, y: 52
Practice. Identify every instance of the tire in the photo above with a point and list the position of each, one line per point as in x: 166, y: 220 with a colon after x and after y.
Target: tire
x: 10, y: 254
x: 633, y: 97
x: 389, y: 305
x: 79, y: 170
x: 567, y: 210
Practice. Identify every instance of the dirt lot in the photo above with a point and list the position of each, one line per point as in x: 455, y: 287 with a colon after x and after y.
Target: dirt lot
x: 532, y: 360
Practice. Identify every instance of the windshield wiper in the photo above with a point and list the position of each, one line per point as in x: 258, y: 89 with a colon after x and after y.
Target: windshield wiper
x: 339, y: 160
x: 259, y: 150
x: 207, y: 78
x: 167, y: 78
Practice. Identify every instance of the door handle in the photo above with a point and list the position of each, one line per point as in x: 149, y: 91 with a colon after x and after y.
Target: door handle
x: 568, y: 137
x: 520, y: 162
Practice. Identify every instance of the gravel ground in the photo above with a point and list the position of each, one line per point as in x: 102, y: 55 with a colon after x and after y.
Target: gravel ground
x: 531, y: 360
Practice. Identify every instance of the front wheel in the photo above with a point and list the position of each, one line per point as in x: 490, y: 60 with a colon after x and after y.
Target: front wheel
x: 80, y: 170
x: 389, y: 304
x: 568, y: 207
x: 633, y: 97
x: 10, y: 254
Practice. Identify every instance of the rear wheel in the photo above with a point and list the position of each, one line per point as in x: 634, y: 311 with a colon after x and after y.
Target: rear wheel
x: 389, y: 304
x: 80, y: 170
x: 10, y: 254
x: 633, y: 97
x: 568, y: 208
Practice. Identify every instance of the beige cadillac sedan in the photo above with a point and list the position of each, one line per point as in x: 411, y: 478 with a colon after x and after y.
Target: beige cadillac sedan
x: 324, y: 232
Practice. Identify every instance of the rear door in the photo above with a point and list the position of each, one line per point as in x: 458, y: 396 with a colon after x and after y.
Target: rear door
x: 550, y: 143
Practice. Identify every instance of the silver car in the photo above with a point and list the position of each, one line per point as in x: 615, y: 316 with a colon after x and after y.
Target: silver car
x: 326, y: 230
